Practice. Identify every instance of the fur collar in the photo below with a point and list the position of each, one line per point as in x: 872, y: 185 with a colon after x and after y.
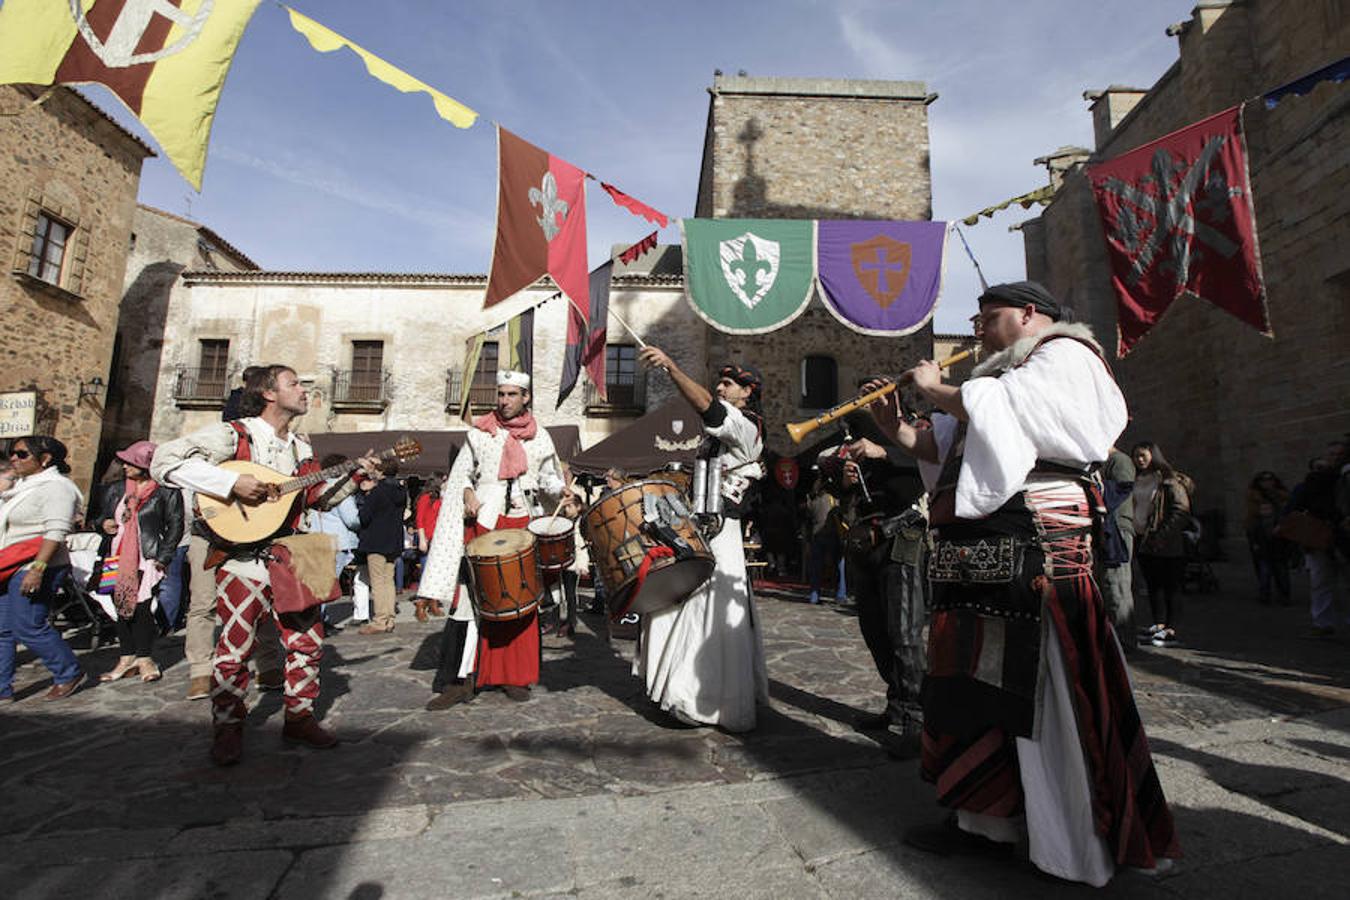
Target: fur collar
x: 1014, y: 356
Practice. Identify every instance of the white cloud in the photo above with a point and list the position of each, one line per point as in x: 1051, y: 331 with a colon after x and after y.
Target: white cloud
x: 878, y: 57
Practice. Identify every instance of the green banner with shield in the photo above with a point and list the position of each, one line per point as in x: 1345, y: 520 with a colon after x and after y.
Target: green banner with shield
x: 748, y: 276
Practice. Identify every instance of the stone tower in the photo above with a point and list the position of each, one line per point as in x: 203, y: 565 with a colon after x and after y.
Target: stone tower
x: 801, y: 148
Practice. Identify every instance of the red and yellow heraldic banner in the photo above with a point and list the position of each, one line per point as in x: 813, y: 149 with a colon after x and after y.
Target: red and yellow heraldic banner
x: 166, y: 59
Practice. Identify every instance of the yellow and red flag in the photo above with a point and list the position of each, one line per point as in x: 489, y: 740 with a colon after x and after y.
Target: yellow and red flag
x: 165, y: 59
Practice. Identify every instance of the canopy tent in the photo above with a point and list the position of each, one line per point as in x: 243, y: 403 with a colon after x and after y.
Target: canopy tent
x: 669, y: 433
x: 438, y: 447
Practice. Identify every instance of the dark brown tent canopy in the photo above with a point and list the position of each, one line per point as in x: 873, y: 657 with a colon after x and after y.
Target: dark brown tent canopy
x: 669, y: 433
x: 438, y: 447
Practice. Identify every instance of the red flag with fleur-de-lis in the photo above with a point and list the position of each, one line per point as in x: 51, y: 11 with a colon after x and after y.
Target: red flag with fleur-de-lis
x: 1179, y: 219
x: 541, y: 223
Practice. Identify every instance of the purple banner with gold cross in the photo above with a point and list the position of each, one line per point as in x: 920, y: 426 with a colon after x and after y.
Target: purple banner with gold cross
x: 880, y: 278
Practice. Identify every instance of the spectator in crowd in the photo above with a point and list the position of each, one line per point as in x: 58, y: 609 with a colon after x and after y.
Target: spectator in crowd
x: 824, y: 539
x: 145, y: 521
x: 1118, y: 476
x: 37, y: 511
x: 380, y: 501
x: 425, y: 511
x: 1271, y: 555
x: 1162, y: 511
x: 234, y: 401
x: 1325, y: 541
x: 342, y: 522
x: 174, y: 587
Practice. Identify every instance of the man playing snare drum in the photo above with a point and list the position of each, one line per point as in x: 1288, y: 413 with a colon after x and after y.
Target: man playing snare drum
x: 703, y: 661
x: 507, y: 473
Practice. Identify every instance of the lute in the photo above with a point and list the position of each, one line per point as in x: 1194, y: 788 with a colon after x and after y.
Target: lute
x: 233, y: 521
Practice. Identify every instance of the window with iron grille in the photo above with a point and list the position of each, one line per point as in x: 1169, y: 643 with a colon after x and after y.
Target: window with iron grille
x: 49, y: 249
x: 820, y: 382
x: 367, y: 370
x: 621, y: 374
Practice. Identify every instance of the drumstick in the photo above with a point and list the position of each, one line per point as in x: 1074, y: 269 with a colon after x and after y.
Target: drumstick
x: 553, y: 518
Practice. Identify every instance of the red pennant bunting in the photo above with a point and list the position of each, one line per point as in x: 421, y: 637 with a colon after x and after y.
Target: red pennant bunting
x: 635, y: 206
x: 641, y: 248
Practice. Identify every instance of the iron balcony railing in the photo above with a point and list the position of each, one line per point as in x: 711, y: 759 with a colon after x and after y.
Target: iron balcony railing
x: 628, y: 394
x: 197, y: 385
x: 480, y: 395
x: 352, y: 388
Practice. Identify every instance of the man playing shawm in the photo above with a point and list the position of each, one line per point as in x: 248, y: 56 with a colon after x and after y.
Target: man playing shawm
x: 507, y: 473
x: 1030, y: 726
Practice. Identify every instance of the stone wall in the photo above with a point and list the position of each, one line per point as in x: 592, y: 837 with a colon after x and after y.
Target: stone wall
x: 790, y: 148
x: 1222, y: 400
x: 162, y: 246
x: 66, y: 157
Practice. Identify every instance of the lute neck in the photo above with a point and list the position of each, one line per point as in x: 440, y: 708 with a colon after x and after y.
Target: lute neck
x: 313, y: 478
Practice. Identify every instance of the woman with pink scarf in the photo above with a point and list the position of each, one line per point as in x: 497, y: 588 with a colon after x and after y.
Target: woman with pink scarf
x: 146, y: 525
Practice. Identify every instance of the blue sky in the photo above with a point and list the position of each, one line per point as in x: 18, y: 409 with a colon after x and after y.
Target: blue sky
x: 315, y: 166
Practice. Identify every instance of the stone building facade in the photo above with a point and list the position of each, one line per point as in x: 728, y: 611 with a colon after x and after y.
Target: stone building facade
x: 69, y: 176
x: 419, y: 326
x: 1222, y: 400
x: 794, y: 148
x: 163, y: 245
x: 775, y: 148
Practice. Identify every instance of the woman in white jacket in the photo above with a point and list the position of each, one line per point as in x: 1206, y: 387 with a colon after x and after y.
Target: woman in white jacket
x: 36, y: 514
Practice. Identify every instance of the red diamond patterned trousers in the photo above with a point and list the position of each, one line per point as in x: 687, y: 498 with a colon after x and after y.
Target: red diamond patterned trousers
x: 241, y: 602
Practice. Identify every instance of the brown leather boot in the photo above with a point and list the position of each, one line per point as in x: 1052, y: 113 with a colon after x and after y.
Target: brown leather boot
x: 62, y: 691
x: 455, y: 693
x: 420, y: 609
x: 305, y: 729
x: 199, y: 687
x: 227, y: 746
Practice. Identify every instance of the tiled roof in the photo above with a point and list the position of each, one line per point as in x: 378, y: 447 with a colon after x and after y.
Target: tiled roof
x: 212, y: 235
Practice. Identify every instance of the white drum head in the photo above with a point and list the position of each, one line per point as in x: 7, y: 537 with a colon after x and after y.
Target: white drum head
x: 551, y: 526
x: 503, y: 542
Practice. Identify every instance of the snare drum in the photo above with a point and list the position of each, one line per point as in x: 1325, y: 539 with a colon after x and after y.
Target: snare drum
x: 506, y: 578
x: 553, y: 539
x: 619, y: 533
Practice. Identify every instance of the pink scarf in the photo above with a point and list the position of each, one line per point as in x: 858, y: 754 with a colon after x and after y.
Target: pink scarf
x: 127, y: 592
x: 521, y: 428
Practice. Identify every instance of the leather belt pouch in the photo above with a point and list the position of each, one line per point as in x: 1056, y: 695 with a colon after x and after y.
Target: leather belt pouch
x: 992, y: 560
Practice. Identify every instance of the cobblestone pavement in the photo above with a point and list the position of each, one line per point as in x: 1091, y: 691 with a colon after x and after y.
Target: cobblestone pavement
x: 585, y: 790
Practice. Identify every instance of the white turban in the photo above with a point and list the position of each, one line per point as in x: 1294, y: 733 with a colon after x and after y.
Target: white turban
x: 514, y: 379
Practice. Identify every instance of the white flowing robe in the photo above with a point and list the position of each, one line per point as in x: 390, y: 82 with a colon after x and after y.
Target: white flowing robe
x: 1062, y: 405
x: 703, y: 660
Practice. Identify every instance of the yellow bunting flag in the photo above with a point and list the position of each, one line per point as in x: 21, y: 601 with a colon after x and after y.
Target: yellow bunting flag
x: 1042, y: 195
x: 326, y: 40
x: 167, y: 62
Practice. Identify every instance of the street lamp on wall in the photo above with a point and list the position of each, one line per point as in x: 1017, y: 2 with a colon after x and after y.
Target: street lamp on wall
x: 91, y: 388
